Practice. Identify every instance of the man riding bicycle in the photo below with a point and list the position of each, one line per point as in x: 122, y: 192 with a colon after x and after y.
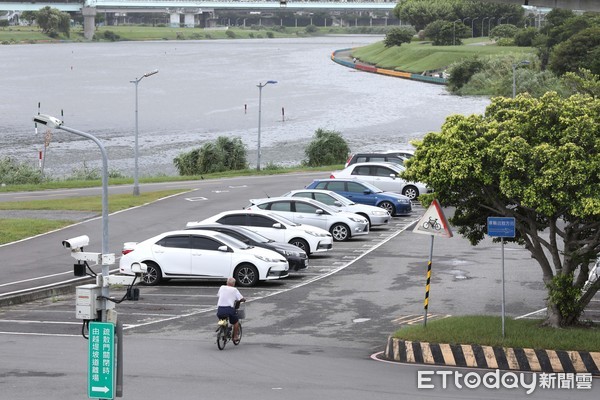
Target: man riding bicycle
x: 229, y: 296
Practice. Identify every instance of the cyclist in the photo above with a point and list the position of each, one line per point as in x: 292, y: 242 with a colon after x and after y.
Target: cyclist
x: 229, y: 296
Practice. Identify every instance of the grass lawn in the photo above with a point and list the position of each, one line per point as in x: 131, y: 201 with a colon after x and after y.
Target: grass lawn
x: 487, y: 331
x: 417, y: 57
x: 16, y: 229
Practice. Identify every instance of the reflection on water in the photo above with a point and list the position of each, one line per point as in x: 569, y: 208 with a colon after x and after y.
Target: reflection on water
x: 205, y: 89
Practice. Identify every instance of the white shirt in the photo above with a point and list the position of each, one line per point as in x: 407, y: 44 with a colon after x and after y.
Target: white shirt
x: 228, y: 295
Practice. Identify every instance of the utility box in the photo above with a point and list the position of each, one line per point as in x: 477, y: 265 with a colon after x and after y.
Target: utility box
x: 86, y: 301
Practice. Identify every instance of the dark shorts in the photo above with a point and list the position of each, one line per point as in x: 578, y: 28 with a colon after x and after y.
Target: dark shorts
x: 224, y: 312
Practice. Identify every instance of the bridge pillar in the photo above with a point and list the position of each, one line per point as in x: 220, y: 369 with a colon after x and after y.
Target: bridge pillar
x: 188, y: 20
x: 89, y: 22
x: 174, y: 20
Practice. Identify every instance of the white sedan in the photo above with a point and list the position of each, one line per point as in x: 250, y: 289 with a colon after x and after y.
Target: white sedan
x: 309, y: 238
x: 385, y: 176
x: 342, y: 225
x: 375, y: 215
x: 202, y: 255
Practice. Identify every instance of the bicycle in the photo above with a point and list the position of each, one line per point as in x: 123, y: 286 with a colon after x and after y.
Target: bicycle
x: 225, y: 329
x: 433, y: 222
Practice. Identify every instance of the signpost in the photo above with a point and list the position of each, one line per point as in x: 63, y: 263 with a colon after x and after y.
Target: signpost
x: 101, y: 367
x: 501, y: 227
x: 433, y: 223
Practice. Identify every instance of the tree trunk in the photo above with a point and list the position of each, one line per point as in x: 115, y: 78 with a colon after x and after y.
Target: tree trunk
x: 553, y: 317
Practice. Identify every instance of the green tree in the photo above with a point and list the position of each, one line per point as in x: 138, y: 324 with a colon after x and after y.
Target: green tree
x: 52, y: 21
x: 504, y: 31
x: 582, y: 50
x: 397, y: 36
x: 583, y: 81
x: 462, y: 71
x: 326, y: 148
x: 525, y: 37
x: 537, y: 160
x: 445, y: 33
x: 224, y: 154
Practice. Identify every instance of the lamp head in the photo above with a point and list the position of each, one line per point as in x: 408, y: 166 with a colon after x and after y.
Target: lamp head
x: 49, y: 121
x: 147, y: 74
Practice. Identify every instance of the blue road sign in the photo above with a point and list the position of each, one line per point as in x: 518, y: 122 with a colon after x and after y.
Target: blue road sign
x: 501, y: 226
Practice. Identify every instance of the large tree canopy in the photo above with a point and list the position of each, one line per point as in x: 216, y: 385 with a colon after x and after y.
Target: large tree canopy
x: 537, y: 160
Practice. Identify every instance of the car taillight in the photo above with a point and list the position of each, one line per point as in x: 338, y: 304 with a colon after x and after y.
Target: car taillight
x: 332, y: 176
x: 126, y: 251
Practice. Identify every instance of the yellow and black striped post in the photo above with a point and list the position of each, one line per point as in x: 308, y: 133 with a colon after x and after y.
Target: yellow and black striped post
x: 426, y: 303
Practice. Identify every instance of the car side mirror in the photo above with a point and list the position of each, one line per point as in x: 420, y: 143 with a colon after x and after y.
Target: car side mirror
x: 366, y: 191
x: 223, y: 248
x: 393, y: 176
x: 319, y: 211
x: 337, y: 203
x: 277, y: 225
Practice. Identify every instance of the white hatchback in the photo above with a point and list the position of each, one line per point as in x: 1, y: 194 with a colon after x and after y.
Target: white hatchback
x: 202, y: 255
x: 309, y: 238
x: 375, y: 215
x: 342, y: 225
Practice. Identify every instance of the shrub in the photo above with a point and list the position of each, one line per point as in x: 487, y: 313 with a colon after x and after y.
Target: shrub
x: 504, y: 31
x: 230, y: 34
x: 224, y: 154
x: 110, y: 35
x: 462, y: 71
x: 311, y: 29
x: 505, y: 42
x: 525, y: 37
x: 270, y: 35
x: 397, y: 36
x: 327, y: 148
x: 13, y: 172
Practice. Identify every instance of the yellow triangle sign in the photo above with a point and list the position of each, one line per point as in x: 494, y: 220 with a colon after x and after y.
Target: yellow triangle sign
x: 434, y: 222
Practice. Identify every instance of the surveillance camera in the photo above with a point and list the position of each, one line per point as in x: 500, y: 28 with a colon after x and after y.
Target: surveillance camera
x: 49, y: 121
x: 76, y: 242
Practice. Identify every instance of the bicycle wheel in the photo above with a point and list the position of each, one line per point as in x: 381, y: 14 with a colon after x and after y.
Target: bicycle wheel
x: 222, y: 338
x: 239, y: 339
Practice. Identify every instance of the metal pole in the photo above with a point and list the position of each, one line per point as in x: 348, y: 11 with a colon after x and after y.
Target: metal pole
x: 136, y: 185
x: 259, y: 112
x: 514, y: 86
x: 426, y: 303
x: 105, y: 268
x: 503, y: 295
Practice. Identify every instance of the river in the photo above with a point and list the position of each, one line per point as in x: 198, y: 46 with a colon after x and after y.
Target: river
x: 205, y: 89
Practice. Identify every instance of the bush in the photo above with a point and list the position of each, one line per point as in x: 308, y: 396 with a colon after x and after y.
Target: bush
x: 504, y: 31
x: 13, y: 172
x: 525, y: 37
x: 462, y: 71
x: 110, y: 35
x: 327, y: 148
x: 222, y: 155
x: 230, y: 34
x: 311, y: 29
x: 397, y: 36
x: 270, y: 35
x: 505, y: 42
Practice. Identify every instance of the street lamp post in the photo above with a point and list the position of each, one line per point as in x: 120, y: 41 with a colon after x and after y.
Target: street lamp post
x: 52, y: 122
x: 489, y: 22
x: 472, y: 27
x: 482, y: 22
x: 260, y: 86
x: 136, y: 185
x: 454, y: 31
x: 514, y: 70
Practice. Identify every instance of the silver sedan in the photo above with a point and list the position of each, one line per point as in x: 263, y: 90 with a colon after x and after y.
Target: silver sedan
x: 375, y: 215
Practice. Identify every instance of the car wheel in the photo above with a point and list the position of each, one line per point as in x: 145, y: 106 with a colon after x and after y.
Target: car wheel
x: 389, y: 207
x: 153, y: 274
x: 411, y: 192
x: 303, y: 244
x: 340, y: 232
x: 246, y: 275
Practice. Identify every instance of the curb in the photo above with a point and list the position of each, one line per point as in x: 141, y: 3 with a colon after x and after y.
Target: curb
x: 503, y: 358
x: 36, y: 294
x: 338, y: 58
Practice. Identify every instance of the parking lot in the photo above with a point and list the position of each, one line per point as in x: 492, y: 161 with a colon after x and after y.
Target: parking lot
x: 178, y: 299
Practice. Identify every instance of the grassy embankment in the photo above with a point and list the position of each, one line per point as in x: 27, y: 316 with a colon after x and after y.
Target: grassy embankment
x: 32, y: 34
x: 13, y: 229
x: 417, y: 57
x: 487, y: 331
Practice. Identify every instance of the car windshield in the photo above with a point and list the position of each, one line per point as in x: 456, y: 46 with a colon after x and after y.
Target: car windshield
x: 373, y: 189
x: 256, y: 237
x: 283, y: 220
x: 231, y: 242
